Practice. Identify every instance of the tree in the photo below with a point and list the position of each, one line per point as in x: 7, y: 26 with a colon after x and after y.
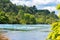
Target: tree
x: 3, y: 18
x: 28, y: 19
x: 7, y: 6
x: 55, y: 35
x: 58, y: 8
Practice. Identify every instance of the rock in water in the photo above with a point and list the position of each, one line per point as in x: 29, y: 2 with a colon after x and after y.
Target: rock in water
x: 3, y: 37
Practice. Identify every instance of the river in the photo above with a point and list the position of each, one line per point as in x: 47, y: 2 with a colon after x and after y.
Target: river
x: 32, y: 32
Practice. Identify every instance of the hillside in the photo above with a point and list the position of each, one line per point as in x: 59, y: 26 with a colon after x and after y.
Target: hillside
x: 13, y: 14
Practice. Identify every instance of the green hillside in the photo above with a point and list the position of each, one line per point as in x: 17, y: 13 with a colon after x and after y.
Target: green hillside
x: 13, y: 14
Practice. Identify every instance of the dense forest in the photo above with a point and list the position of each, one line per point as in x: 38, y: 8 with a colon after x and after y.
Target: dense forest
x: 18, y: 14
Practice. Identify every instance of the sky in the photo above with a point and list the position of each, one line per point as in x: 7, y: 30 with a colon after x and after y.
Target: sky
x: 40, y: 4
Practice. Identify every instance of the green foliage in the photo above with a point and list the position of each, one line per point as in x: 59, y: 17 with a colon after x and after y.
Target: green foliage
x: 55, y: 34
x: 41, y: 20
x: 58, y: 6
x: 7, y: 6
x: 28, y: 19
x: 18, y: 14
x: 3, y: 18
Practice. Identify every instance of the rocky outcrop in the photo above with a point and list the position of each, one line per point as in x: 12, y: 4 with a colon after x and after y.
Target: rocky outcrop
x: 3, y: 37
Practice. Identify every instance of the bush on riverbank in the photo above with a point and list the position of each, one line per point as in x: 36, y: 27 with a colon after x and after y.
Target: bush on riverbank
x: 55, y: 34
